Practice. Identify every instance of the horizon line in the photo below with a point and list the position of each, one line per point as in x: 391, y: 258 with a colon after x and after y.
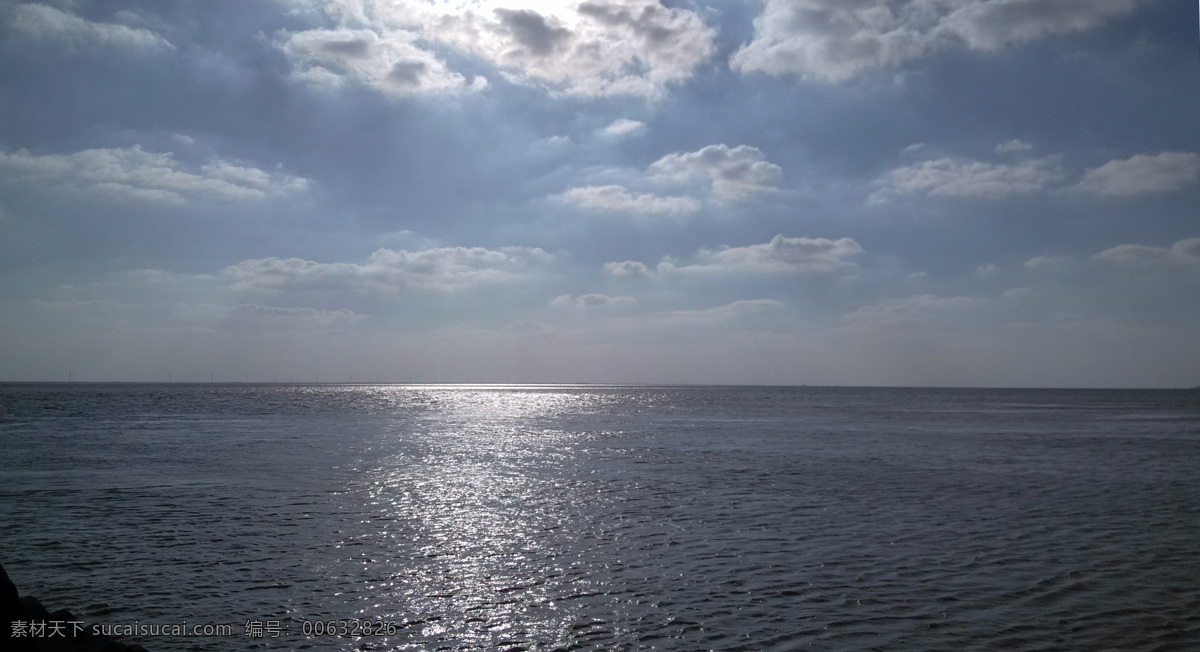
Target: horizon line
x: 580, y: 384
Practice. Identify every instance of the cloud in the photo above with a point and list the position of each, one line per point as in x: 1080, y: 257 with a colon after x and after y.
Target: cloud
x: 387, y: 270
x: 1013, y: 146
x: 627, y: 268
x: 994, y: 24
x: 722, y: 173
x: 618, y: 199
x: 743, y: 315
x: 634, y: 47
x: 958, y: 177
x: 832, y: 40
x: 1184, y: 252
x: 1142, y: 174
x: 597, y: 48
x: 255, y: 318
x: 921, y: 310
x: 42, y: 21
x: 734, y: 173
x: 592, y: 302
x: 391, y: 63
x: 624, y: 127
x: 137, y: 174
x: 779, y: 256
x: 532, y: 32
x: 1042, y: 263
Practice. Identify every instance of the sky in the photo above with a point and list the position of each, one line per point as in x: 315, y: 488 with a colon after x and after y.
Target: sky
x: 820, y: 192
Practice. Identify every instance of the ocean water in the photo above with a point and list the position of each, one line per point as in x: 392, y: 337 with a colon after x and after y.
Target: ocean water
x: 609, y: 517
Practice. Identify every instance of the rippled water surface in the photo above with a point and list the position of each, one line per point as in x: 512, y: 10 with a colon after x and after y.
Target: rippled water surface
x: 581, y: 517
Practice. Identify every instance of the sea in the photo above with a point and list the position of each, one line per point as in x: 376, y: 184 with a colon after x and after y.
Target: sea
x: 582, y: 517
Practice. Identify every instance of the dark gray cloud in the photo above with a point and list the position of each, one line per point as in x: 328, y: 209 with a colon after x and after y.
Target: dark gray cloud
x: 531, y: 30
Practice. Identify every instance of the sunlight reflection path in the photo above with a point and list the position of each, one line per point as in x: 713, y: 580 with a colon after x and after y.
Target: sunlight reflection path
x: 477, y: 508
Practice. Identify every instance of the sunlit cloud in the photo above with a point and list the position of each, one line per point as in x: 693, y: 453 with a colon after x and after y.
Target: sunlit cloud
x: 959, y: 177
x: 627, y: 268
x: 781, y: 255
x: 1142, y: 173
x: 734, y: 174
x: 392, y: 63
x: 597, y: 48
x: 618, y: 199
x: 1185, y: 252
x: 133, y: 173
x: 833, y: 40
x: 624, y: 127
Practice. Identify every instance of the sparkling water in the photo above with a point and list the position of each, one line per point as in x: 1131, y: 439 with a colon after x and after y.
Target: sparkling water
x: 348, y: 517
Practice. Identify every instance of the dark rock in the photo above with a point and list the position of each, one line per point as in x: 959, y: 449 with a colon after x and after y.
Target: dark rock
x: 12, y: 609
x: 15, y: 608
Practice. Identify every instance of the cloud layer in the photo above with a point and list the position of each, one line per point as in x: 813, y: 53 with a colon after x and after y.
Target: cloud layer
x: 594, y: 48
x: 390, y: 63
x: 1142, y: 173
x: 732, y: 173
x: 958, y: 177
x: 133, y: 173
x: 832, y: 40
x: 389, y: 271
x: 618, y: 199
x: 781, y: 255
x: 601, y: 190
x: 45, y: 22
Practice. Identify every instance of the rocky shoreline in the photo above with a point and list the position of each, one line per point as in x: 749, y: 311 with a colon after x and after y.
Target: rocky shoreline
x: 30, y: 627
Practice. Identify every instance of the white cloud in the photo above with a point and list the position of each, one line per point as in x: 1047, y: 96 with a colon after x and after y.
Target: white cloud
x: 613, y: 47
x: 1041, y: 263
x: 1013, y: 146
x: 734, y: 173
x: 391, y: 63
x: 599, y: 47
x: 957, y: 177
x: 42, y: 21
x: 592, y: 302
x: 387, y: 270
x: 138, y: 174
x: 614, y: 198
x: 779, y: 256
x: 1142, y: 174
x: 833, y: 40
x: 1184, y: 252
x: 627, y: 268
x: 624, y: 127
x: 717, y: 172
